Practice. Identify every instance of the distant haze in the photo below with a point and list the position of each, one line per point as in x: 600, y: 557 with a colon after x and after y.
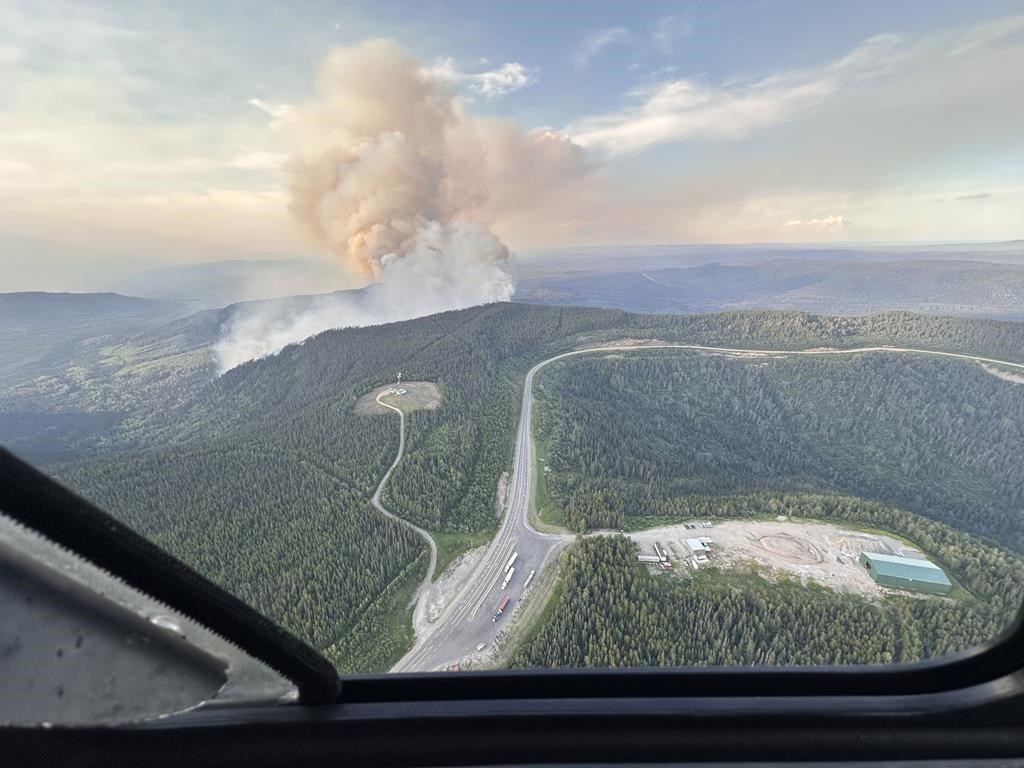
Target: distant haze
x: 138, y: 136
x: 416, y: 151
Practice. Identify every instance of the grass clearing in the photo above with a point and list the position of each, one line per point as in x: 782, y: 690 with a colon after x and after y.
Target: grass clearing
x: 546, y: 515
x: 418, y: 396
x: 397, y: 615
x: 1005, y: 372
x: 451, y: 545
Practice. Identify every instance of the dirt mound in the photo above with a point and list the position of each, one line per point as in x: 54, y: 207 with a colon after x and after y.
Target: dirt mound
x: 790, y: 548
x: 853, y: 545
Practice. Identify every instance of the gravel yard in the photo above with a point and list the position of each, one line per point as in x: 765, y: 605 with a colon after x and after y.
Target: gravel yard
x: 818, y: 552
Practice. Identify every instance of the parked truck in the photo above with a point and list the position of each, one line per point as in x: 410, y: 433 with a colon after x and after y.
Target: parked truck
x: 511, y: 560
x: 501, y: 608
x: 508, y: 577
x: 529, y: 579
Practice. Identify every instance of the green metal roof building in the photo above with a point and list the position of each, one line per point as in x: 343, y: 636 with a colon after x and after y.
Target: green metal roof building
x: 906, y: 573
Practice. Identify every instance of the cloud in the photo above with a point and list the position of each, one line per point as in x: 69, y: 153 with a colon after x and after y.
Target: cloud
x: 128, y: 126
x: 989, y: 33
x: 662, y: 72
x: 914, y: 125
x: 100, y: 103
x: 251, y: 161
x: 975, y: 196
x: 10, y: 54
x: 491, y: 84
x: 678, y: 109
x: 671, y: 28
x: 274, y: 110
x: 593, y: 44
x: 826, y: 222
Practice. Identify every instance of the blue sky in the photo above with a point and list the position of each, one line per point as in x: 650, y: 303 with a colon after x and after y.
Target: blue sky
x: 146, y: 130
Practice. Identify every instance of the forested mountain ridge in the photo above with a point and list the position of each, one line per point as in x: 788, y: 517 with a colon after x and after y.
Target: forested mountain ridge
x: 75, y: 367
x: 190, y: 474
x: 922, y: 447
x: 466, y: 349
x: 635, y: 435
x: 49, y: 340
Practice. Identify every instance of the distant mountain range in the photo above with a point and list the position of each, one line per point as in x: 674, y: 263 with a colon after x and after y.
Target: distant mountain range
x: 40, y: 332
x: 947, y: 287
x: 102, y: 353
x: 212, y: 284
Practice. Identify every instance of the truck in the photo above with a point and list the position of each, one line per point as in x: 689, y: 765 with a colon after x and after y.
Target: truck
x: 501, y: 608
x: 529, y: 579
x: 511, y: 560
x: 662, y: 551
x: 508, y: 577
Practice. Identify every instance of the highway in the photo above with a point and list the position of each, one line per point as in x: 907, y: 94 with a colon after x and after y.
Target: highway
x: 467, y: 620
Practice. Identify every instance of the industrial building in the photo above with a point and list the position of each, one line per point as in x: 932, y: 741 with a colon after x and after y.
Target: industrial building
x: 906, y: 573
x: 699, y: 549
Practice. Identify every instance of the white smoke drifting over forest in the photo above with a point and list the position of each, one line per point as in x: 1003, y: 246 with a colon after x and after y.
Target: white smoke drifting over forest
x: 394, y: 180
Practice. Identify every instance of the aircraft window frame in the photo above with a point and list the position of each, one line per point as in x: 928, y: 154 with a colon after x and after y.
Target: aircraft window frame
x: 969, y: 706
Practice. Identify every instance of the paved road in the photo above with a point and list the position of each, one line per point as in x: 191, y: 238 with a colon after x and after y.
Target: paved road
x: 467, y: 621
x: 419, y: 597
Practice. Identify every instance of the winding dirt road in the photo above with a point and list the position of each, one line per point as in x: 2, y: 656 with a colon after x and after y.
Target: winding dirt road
x: 419, y: 597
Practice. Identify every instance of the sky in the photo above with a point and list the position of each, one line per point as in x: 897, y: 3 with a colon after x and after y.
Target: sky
x: 140, y: 134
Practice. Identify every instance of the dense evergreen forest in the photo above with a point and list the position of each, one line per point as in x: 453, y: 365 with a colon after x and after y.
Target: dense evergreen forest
x: 284, y: 533
x: 926, y: 448
x: 635, y: 435
x: 261, y: 477
x: 610, y: 611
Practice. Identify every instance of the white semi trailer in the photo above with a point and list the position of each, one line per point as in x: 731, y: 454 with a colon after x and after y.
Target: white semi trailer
x: 511, y: 560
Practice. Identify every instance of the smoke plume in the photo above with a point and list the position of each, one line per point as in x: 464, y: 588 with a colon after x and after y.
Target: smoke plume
x: 396, y: 181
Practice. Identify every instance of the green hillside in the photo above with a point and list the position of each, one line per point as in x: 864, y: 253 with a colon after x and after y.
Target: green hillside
x: 638, y: 435
x: 261, y: 477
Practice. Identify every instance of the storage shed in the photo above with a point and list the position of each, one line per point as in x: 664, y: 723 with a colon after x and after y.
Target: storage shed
x: 906, y: 573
